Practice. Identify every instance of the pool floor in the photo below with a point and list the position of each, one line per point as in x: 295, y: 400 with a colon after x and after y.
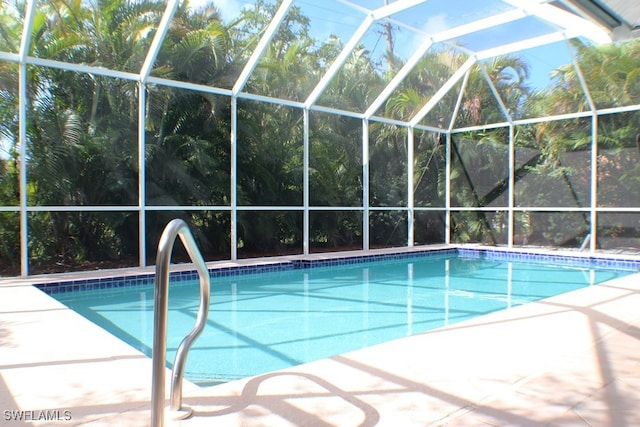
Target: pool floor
x: 573, y: 359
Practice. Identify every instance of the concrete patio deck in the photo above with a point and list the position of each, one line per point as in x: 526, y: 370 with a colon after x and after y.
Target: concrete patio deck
x: 570, y: 360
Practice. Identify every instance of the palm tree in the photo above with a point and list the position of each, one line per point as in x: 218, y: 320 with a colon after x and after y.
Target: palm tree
x: 83, y: 128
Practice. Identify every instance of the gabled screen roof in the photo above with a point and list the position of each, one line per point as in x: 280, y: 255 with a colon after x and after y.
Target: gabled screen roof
x: 395, y: 36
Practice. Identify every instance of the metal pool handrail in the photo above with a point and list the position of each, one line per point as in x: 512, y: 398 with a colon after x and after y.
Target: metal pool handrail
x: 176, y: 227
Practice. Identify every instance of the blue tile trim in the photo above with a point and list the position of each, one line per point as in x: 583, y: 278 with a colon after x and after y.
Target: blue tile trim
x: 191, y: 275
x: 148, y: 279
x: 625, y: 264
x: 348, y: 260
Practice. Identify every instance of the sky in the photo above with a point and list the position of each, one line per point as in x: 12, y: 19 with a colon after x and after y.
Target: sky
x: 337, y: 17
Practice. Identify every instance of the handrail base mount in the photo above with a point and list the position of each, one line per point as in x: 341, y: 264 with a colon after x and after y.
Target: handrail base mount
x: 178, y: 414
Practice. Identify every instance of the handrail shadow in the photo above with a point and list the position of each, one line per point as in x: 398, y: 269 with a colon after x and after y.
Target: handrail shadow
x: 277, y: 403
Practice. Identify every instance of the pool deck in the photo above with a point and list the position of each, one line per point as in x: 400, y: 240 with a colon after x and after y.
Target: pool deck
x: 569, y: 360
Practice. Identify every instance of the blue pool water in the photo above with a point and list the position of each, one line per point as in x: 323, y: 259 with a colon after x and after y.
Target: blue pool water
x: 262, y: 322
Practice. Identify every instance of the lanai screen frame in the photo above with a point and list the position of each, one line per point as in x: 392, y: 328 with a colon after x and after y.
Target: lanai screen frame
x: 567, y: 29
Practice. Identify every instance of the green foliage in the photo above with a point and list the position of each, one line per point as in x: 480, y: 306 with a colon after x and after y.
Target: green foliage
x: 82, y: 136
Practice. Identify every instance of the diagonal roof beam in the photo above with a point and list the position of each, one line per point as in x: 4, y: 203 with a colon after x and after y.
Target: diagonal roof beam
x: 564, y: 19
x: 163, y: 27
x: 503, y: 108
x: 262, y: 46
x: 451, y: 33
x: 524, y: 45
x: 398, y: 78
x: 340, y: 60
x: 375, y: 15
x: 456, y: 110
x: 582, y: 80
x: 443, y: 91
x: 25, y: 42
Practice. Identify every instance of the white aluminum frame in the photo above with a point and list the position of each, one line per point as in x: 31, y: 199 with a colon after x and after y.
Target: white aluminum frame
x: 568, y: 25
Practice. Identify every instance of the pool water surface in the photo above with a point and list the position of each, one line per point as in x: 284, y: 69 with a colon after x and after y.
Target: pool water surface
x: 259, y: 323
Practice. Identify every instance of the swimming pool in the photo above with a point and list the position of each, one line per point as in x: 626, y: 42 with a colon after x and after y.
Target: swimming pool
x: 264, y: 319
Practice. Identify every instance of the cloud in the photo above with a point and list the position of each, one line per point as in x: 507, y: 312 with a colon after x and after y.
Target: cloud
x: 229, y: 8
x: 436, y: 24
